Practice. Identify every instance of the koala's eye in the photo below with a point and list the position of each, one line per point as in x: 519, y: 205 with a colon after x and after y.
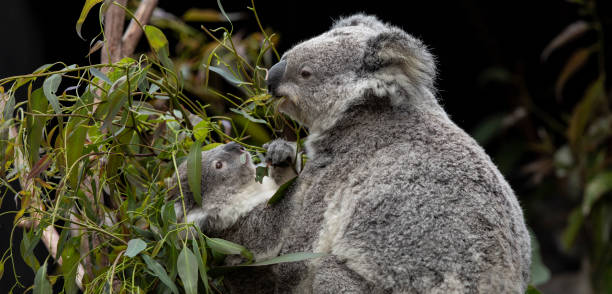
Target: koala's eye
x: 218, y: 164
x: 305, y: 73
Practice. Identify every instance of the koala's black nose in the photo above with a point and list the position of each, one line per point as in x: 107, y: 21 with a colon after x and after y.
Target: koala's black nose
x: 275, y: 74
x: 233, y: 147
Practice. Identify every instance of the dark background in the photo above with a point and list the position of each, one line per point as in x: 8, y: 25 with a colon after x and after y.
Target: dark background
x: 474, y: 41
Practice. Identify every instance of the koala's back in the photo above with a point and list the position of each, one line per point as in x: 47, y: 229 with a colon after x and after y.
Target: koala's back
x: 416, y: 206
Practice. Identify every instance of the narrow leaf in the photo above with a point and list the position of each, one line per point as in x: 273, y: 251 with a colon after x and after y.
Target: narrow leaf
x: 248, y: 116
x: 194, y: 171
x: 134, y: 247
x: 291, y: 257
x: 201, y: 258
x: 227, y: 75
x: 50, y: 88
x: 571, y: 32
x: 188, y: 270
x: 227, y: 247
x: 100, y: 75
x: 159, y: 272
x: 70, y: 263
x: 38, y: 104
x: 582, y: 112
x: 572, y: 229
x: 41, y: 284
x: 576, y: 61
x: 599, y: 185
x: 280, y: 193
x: 88, y: 5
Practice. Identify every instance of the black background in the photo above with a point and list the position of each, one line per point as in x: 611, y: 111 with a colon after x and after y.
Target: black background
x: 469, y: 37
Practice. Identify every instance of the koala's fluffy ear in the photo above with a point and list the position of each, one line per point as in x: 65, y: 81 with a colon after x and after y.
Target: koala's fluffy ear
x: 395, y: 48
x: 360, y: 19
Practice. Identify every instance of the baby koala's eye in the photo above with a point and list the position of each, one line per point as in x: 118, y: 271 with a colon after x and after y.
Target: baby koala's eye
x: 306, y: 73
x: 218, y: 164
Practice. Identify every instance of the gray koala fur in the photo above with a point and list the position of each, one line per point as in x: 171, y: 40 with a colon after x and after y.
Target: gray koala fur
x: 400, y: 197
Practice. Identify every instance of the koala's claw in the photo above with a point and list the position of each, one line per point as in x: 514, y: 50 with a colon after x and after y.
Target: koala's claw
x: 280, y: 153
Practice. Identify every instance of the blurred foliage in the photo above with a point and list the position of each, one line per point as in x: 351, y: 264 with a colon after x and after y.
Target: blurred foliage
x: 560, y: 152
x: 91, y: 147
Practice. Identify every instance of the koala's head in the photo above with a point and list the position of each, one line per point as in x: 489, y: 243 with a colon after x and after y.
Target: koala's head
x: 226, y: 170
x: 360, y: 58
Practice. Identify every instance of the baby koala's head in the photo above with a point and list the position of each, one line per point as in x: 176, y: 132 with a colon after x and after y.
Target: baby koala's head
x: 227, y: 171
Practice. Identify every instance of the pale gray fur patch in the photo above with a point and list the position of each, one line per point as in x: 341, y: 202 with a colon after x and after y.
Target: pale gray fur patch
x: 402, y: 198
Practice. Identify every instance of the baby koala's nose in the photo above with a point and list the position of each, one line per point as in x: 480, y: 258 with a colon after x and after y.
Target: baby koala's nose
x: 233, y: 147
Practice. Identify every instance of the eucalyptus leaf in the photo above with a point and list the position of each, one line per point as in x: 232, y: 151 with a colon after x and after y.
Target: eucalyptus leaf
x: 248, y: 116
x: 291, y: 257
x: 201, y: 258
x: 41, y: 284
x: 159, y: 272
x: 227, y: 247
x: 227, y: 75
x: 100, y: 75
x: 50, y: 86
x: 194, y: 171
x: 134, y: 247
x: 88, y: 5
x: 187, y: 266
x: 595, y: 188
x: 280, y: 193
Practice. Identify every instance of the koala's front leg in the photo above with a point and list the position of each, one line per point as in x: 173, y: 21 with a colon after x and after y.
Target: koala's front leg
x: 281, y: 158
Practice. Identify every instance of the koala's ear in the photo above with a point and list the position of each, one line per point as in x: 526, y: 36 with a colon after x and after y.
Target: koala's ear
x: 395, y: 48
x: 360, y: 19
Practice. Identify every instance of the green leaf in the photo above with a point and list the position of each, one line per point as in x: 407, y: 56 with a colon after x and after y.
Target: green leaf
x: 291, y: 257
x: 194, y: 171
x: 247, y: 116
x: 159, y: 44
x: 582, y: 112
x: 227, y: 247
x: 188, y: 270
x: 280, y: 193
x: 211, y: 146
x: 38, y: 104
x: 260, y: 173
x: 595, y: 188
x: 201, y: 130
x: 41, y: 284
x: 9, y: 106
x: 134, y: 247
x: 572, y: 229
x: 50, y: 88
x: 159, y: 272
x: 532, y: 290
x: 76, y: 132
x: 540, y: 274
x: 29, y: 241
x: 100, y: 75
x: 168, y: 214
x: 70, y: 264
x: 201, y: 258
x: 88, y: 5
x: 118, y: 95
x: 226, y: 75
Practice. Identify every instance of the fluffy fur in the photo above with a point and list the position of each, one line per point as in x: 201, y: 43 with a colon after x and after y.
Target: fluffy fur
x: 402, y: 199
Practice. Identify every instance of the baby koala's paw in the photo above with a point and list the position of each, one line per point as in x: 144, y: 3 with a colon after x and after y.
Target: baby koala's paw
x: 280, y: 153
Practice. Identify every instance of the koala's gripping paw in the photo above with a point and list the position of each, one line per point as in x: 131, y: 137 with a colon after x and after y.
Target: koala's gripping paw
x: 280, y: 153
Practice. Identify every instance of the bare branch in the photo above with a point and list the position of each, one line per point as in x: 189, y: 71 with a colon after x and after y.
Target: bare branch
x: 113, y: 28
x: 134, y: 32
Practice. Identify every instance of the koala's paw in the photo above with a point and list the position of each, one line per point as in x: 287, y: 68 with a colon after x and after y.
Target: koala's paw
x: 280, y: 152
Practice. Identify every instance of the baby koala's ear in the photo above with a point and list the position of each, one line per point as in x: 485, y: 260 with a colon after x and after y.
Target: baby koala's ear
x: 395, y: 48
x: 360, y: 19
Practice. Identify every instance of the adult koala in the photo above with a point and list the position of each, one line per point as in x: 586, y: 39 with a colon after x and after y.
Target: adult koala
x: 401, y: 198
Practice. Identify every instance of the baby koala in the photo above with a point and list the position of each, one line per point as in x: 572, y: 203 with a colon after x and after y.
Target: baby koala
x: 228, y: 187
